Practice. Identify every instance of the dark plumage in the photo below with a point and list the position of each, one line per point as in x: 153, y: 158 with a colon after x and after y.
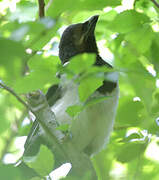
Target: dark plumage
x: 77, y: 39
x: 91, y: 129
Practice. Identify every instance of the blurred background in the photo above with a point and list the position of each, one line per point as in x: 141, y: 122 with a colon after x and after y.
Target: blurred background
x: 127, y: 35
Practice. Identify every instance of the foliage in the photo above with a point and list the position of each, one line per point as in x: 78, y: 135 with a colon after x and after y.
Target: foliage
x: 28, y: 62
x: 40, y: 162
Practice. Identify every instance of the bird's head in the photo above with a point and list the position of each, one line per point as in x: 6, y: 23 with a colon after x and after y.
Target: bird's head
x: 78, y: 38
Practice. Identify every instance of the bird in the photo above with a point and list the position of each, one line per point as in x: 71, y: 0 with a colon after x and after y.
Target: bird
x: 91, y: 129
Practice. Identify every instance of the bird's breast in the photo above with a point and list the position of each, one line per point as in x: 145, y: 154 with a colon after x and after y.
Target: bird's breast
x: 91, y: 128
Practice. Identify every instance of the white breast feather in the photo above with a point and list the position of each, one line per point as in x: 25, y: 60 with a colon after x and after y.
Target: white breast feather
x: 91, y: 128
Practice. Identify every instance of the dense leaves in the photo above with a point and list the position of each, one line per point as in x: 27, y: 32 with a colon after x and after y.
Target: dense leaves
x: 133, y: 21
x: 37, y: 64
x: 56, y: 8
x: 127, y: 37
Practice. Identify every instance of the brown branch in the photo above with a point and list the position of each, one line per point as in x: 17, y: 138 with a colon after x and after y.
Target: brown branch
x: 61, y: 146
x: 155, y: 3
x: 41, y: 8
x: 2, y: 85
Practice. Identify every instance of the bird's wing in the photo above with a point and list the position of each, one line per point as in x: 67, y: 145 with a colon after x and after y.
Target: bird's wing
x: 32, y: 143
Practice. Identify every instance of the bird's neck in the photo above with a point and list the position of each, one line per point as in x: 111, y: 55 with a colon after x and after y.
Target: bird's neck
x: 91, y: 47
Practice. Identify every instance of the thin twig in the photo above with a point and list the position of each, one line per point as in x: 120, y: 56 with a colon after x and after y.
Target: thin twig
x: 41, y: 8
x: 15, y: 95
x: 155, y: 3
x: 48, y: 4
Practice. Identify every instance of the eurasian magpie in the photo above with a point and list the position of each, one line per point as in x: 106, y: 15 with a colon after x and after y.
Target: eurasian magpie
x: 91, y: 129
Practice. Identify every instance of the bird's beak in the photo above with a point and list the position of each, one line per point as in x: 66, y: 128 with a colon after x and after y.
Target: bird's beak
x: 89, y: 27
x: 91, y: 24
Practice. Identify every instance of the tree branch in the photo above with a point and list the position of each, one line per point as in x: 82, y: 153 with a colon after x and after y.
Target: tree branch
x: 41, y: 8
x: 59, y: 143
x: 2, y: 85
x: 155, y: 3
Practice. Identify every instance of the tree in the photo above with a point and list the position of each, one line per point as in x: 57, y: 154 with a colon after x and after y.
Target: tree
x: 130, y: 36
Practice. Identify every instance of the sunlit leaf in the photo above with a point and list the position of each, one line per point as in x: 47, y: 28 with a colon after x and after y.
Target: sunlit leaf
x: 60, y: 6
x: 12, y: 53
x: 88, y: 86
x: 43, y: 72
x: 80, y: 64
x: 129, y: 111
x: 63, y: 127
x: 141, y: 38
x: 44, y: 162
x: 132, y: 18
x: 74, y: 110
x: 131, y: 151
x: 9, y: 172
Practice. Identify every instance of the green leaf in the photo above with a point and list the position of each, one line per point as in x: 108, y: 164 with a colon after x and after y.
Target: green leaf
x: 153, y: 53
x: 19, y: 33
x: 4, y: 120
x: 12, y: 53
x: 9, y: 172
x: 109, y: 16
x: 43, y: 163
x: 96, y: 100
x: 132, y: 18
x: 35, y: 80
x: 130, y: 151
x: 133, y: 136
x: 74, y: 110
x: 24, y: 130
x: 40, y: 62
x: 80, y: 64
x: 43, y: 72
x: 141, y: 38
x: 63, y: 127
x: 129, y: 111
x: 103, y: 167
x: 40, y: 33
x: 35, y: 178
x: 3, y: 113
x: 60, y: 6
x: 140, y: 78
x: 88, y: 86
x: 82, y: 16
